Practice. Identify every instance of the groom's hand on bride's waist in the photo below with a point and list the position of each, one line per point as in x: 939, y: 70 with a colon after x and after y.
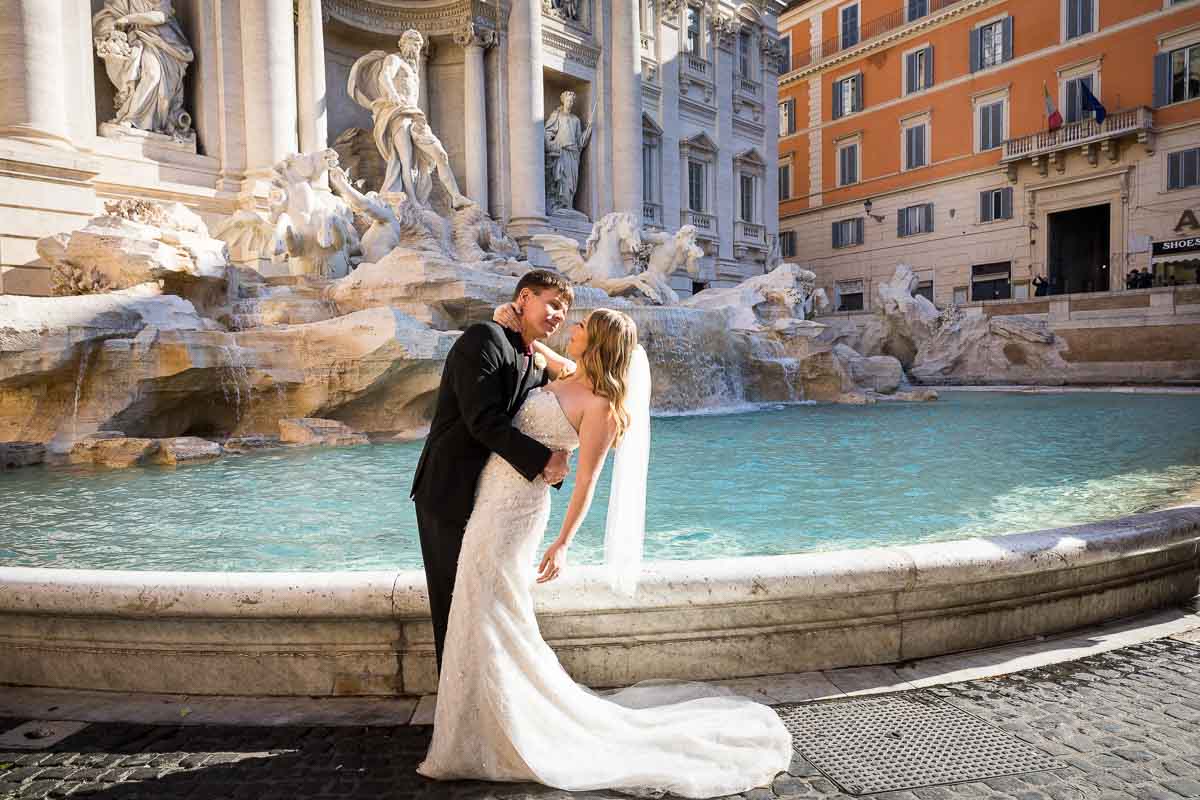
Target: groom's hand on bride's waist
x: 556, y: 468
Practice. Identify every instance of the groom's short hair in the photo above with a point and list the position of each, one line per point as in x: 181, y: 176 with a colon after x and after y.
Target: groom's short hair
x: 537, y: 280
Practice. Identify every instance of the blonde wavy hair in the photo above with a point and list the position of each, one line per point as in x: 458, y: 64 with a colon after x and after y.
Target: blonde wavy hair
x: 612, y: 338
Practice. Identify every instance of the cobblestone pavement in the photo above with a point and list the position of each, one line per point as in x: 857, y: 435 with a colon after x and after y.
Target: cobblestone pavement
x: 1125, y: 721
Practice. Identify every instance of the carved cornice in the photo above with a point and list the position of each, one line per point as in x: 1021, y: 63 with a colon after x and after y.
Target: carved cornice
x: 579, y: 52
x: 441, y: 19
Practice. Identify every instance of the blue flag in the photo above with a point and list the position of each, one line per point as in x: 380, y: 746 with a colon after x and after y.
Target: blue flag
x: 1088, y: 102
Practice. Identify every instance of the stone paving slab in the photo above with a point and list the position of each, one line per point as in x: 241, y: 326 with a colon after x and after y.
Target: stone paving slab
x: 1126, y: 722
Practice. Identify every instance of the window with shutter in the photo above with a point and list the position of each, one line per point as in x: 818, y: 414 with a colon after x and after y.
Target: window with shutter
x: 849, y: 26
x: 918, y: 70
x: 917, y: 9
x: 914, y: 219
x: 991, y: 125
x: 785, y: 182
x: 985, y: 206
x: 847, y: 232
x: 992, y: 43
x: 976, y: 46
x: 856, y: 87
x: 1162, y: 79
x: 914, y: 146
x: 1183, y: 169
x: 847, y: 164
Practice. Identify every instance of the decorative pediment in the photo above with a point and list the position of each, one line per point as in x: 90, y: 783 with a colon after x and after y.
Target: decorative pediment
x: 751, y: 158
x: 749, y: 15
x: 700, y: 143
x: 649, y: 126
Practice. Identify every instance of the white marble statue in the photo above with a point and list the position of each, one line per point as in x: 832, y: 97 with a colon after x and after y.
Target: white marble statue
x: 314, y: 228
x: 388, y: 85
x: 784, y: 293
x: 669, y: 252
x: 603, y: 264
x: 385, y: 232
x: 566, y: 139
x: 145, y: 55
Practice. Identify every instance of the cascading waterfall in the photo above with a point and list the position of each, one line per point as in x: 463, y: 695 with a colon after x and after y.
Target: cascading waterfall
x: 85, y: 357
x: 693, y: 355
x: 233, y: 376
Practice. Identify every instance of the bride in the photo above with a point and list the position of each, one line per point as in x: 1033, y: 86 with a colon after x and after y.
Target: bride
x: 507, y: 710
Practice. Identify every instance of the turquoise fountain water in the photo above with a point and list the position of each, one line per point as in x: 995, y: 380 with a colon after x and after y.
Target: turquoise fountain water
x: 780, y: 480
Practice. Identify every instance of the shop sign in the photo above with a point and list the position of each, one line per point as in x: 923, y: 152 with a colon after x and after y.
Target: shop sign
x: 1177, y: 246
x: 1187, y: 220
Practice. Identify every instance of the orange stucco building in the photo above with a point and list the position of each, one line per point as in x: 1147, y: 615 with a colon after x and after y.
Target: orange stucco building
x: 916, y: 131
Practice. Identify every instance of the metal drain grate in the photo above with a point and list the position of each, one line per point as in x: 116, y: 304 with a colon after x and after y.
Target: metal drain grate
x: 883, y: 743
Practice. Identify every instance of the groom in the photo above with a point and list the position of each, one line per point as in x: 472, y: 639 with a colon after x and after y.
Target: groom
x: 489, y: 372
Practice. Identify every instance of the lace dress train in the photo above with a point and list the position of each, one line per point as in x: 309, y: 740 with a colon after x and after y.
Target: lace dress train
x: 508, y: 711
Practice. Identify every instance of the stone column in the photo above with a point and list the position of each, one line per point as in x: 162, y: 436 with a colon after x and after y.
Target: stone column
x: 32, y: 79
x: 527, y: 119
x: 627, y: 107
x: 269, y: 73
x: 473, y: 43
x: 310, y: 56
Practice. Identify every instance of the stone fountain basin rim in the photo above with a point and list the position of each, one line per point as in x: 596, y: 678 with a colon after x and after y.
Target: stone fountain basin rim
x: 665, y: 584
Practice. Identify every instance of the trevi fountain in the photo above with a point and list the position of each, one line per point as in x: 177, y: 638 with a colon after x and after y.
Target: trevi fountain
x: 209, y: 430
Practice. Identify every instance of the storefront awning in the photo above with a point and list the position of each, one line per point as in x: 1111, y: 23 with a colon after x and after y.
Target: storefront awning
x: 1175, y: 250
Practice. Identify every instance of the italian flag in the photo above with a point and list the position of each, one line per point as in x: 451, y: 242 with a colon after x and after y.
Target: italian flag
x: 1053, y: 118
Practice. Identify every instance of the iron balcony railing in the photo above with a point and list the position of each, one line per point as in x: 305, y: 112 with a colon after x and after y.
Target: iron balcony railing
x: 1077, y: 134
x: 871, y: 29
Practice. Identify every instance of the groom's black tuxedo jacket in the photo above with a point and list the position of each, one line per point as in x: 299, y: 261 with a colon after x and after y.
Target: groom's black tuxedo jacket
x: 484, y: 383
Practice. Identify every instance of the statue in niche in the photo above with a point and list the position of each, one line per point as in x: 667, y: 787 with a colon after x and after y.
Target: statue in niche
x: 145, y: 56
x: 564, y: 9
x: 566, y: 139
x: 388, y: 85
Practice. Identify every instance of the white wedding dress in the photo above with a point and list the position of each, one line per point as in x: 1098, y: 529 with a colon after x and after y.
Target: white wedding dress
x: 508, y: 711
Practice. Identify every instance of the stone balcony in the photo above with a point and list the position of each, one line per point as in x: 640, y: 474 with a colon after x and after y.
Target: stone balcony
x: 705, y: 224
x: 749, y: 233
x: 1050, y: 147
x: 748, y: 89
x: 697, y: 68
x: 652, y: 214
x: 749, y: 240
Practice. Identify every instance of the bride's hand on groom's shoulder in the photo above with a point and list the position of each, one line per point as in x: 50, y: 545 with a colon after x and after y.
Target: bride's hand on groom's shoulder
x: 553, y: 562
x: 506, y: 316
